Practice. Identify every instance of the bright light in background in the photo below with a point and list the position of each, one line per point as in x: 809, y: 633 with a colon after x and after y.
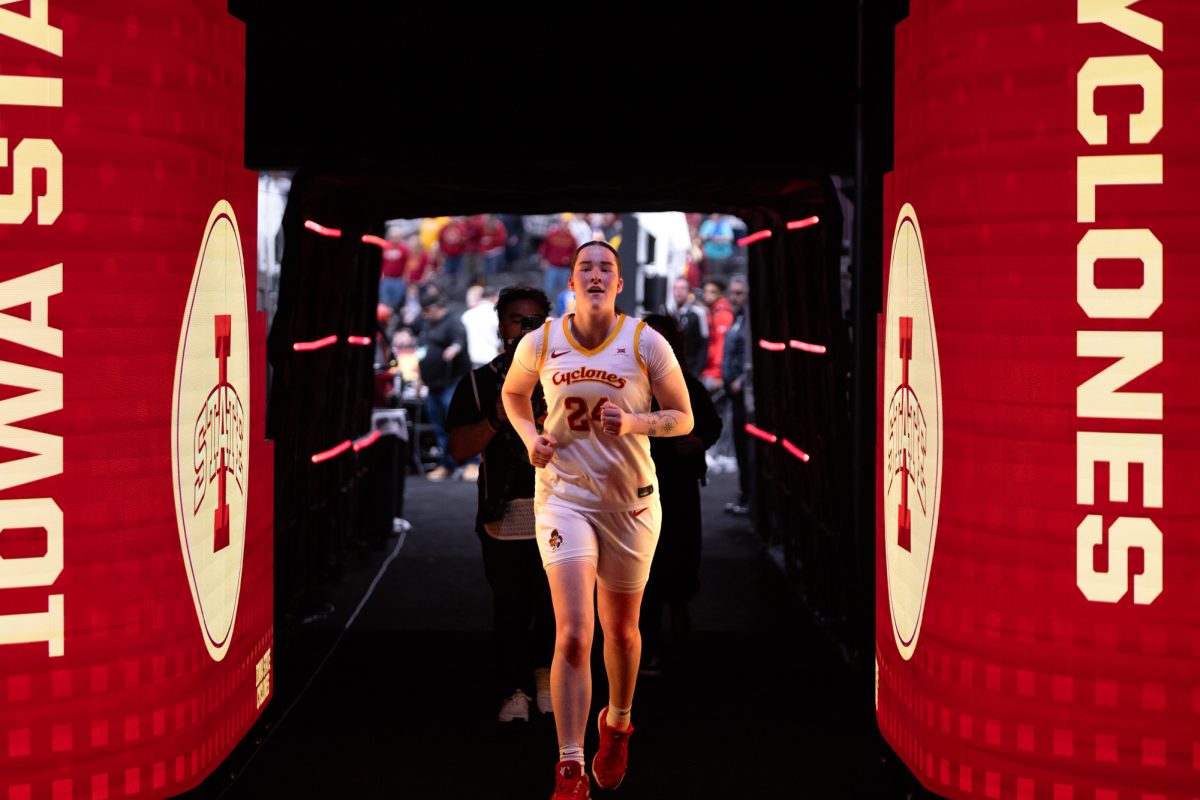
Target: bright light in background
x: 360, y: 340
x: 317, y: 345
x: 321, y: 229
x: 366, y: 441
x: 805, y: 346
x: 754, y: 237
x: 796, y: 451
x: 761, y: 434
x: 772, y: 346
x: 797, y: 224
x: 368, y: 238
x: 331, y: 452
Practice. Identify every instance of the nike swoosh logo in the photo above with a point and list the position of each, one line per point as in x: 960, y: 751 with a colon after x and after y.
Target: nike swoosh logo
x: 553, y: 354
x: 640, y: 510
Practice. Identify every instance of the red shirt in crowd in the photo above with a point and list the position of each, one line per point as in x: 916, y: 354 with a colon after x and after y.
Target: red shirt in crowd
x: 474, y: 231
x: 558, y: 247
x: 492, y: 236
x: 454, y: 238
x: 395, y: 260
x: 720, y: 318
x: 420, y: 264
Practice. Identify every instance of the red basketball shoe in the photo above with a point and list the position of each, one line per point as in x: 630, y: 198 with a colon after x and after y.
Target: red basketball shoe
x: 569, y: 782
x: 608, y: 767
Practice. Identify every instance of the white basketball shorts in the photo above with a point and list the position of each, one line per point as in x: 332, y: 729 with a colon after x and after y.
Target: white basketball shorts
x: 619, y: 544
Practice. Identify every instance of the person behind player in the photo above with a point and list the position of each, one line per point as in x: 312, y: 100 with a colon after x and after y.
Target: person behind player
x: 681, y: 468
x: 596, y: 499
x: 524, y: 619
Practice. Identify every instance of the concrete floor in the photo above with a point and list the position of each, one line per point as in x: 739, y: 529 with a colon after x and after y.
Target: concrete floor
x: 757, y: 704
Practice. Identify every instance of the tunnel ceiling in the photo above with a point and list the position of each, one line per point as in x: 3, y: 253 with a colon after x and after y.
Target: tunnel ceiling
x: 342, y: 196
x: 553, y: 108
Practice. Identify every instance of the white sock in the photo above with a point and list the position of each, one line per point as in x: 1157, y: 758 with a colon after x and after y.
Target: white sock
x: 570, y: 752
x: 618, y: 718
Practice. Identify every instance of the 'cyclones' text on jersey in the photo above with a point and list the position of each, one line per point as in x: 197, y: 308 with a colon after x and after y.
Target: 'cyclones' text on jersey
x: 591, y: 469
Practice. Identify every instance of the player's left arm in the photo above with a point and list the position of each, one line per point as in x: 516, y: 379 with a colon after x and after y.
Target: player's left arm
x: 675, y: 417
x: 669, y: 389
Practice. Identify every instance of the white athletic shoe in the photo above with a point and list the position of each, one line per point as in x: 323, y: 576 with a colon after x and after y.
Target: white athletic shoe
x: 545, y: 701
x: 515, y: 707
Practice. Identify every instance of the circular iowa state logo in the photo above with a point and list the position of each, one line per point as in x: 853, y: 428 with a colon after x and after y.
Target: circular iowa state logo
x: 209, y: 429
x: 912, y: 452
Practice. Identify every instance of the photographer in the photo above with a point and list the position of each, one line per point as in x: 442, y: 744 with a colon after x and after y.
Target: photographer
x: 477, y: 423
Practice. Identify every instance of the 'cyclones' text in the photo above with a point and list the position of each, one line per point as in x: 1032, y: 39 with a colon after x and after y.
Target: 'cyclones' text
x: 585, y: 374
x: 1130, y: 353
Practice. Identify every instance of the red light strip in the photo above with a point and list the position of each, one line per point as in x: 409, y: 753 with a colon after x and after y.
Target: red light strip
x: 761, y: 434
x: 796, y: 451
x: 805, y: 346
x: 363, y: 340
x: 331, y: 452
x: 772, y: 346
x: 797, y: 224
x: 754, y: 237
x: 375, y: 240
x: 321, y: 229
x: 317, y: 345
x: 366, y: 441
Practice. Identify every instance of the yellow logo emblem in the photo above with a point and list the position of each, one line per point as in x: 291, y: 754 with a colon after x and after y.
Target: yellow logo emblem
x: 912, y: 457
x: 209, y: 429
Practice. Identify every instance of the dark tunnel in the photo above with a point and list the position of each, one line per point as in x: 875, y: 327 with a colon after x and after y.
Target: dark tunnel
x: 919, y: 462
x: 804, y: 563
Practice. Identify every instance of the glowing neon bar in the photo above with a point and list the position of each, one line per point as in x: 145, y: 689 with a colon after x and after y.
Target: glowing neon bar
x: 331, y: 452
x: 797, y: 224
x: 375, y: 240
x: 796, y: 451
x: 754, y: 237
x: 321, y: 229
x: 363, y: 340
x: 810, y: 348
x: 366, y: 441
x: 772, y: 346
x: 317, y: 345
x: 761, y: 434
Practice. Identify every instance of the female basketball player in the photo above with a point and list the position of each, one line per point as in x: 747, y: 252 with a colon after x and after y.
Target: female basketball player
x: 596, y: 498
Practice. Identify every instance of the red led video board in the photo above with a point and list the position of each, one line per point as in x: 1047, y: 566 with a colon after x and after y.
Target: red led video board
x: 135, y: 481
x: 1038, y: 548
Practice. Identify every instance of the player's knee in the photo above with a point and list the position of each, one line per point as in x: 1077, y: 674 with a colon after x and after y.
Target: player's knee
x: 574, y: 643
x: 624, y: 636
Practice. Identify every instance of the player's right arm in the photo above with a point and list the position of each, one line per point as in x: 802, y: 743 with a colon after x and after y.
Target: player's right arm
x: 518, y: 389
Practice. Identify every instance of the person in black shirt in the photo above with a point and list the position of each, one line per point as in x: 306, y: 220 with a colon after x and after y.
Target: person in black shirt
x: 681, y: 468
x: 443, y: 362
x: 693, y: 324
x: 736, y: 377
x: 524, y: 617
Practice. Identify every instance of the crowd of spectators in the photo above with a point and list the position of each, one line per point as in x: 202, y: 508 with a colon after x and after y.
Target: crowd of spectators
x: 437, y: 314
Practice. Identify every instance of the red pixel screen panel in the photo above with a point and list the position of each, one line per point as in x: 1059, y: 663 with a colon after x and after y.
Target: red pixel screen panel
x: 135, y: 482
x: 1038, y: 547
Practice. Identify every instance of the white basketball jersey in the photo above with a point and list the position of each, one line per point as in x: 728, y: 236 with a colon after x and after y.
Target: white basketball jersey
x: 592, y: 469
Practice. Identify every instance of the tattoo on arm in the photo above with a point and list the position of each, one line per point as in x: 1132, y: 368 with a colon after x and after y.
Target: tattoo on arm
x: 654, y: 420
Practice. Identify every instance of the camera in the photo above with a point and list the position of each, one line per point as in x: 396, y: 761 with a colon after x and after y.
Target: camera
x: 531, y: 323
